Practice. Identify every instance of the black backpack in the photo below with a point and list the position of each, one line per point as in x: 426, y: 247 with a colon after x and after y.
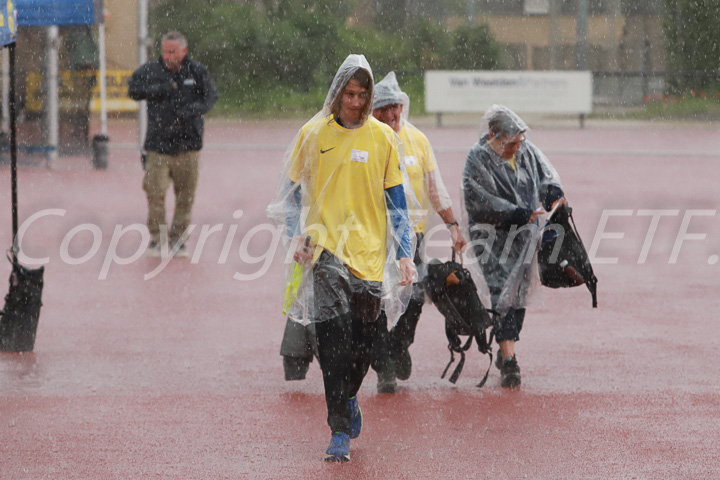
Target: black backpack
x: 565, y: 264
x: 452, y: 289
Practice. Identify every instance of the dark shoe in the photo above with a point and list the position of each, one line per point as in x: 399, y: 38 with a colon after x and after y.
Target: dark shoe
x: 153, y: 249
x: 386, y: 381
x: 339, y: 449
x: 356, y: 418
x: 295, y: 368
x: 510, y: 373
x: 498, y: 360
x: 182, y: 252
x: 403, y: 364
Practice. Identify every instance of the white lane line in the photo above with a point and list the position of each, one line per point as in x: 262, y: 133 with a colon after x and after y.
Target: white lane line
x: 606, y: 153
x: 441, y: 149
x: 211, y: 146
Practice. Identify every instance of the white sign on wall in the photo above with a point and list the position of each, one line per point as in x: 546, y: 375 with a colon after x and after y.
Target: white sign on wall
x: 449, y: 91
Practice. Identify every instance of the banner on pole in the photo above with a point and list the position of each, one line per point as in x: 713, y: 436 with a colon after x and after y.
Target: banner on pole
x: 8, y: 23
x: 44, y: 13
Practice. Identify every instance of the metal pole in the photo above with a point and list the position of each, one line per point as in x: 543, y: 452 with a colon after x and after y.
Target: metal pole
x: 51, y: 111
x: 103, y: 81
x: 612, y: 39
x: 679, y: 61
x: 554, y: 39
x: 142, y: 58
x: 13, y: 151
x: 5, y: 90
x: 582, y: 45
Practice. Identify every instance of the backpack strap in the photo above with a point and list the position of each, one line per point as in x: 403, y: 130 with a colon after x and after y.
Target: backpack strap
x: 454, y: 346
x: 592, y: 286
x: 487, y: 372
x: 590, y: 283
x: 490, y: 354
x: 458, y: 370
x: 459, y: 254
x: 461, y: 350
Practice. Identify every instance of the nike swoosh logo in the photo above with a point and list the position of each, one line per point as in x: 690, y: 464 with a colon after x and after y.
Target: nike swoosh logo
x: 325, y: 151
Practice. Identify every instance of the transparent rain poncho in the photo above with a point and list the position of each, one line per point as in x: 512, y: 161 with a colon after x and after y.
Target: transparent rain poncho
x: 498, y: 202
x: 333, y: 198
x: 419, y: 157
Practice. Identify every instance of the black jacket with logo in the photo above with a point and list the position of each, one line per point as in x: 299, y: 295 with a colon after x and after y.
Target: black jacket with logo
x: 175, y: 115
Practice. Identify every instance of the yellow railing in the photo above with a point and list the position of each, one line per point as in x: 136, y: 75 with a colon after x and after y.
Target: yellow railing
x: 73, y: 91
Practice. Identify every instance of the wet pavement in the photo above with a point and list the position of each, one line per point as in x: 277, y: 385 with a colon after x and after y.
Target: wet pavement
x: 145, y: 369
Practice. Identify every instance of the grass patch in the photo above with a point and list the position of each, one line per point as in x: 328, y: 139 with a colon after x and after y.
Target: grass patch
x: 288, y: 103
x: 686, y: 107
x: 274, y: 103
x: 285, y: 102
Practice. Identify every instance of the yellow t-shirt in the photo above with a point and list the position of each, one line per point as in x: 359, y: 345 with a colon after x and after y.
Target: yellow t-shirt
x: 344, y: 173
x: 419, y: 161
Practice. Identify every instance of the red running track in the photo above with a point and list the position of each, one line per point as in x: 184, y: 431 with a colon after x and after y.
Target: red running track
x: 179, y: 376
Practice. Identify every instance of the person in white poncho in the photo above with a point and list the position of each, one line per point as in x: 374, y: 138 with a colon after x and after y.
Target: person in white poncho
x: 342, y: 204
x: 391, y: 356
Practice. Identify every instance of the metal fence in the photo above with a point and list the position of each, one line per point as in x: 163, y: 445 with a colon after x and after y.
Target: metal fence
x: 626, y: 88
x: 636, y: 88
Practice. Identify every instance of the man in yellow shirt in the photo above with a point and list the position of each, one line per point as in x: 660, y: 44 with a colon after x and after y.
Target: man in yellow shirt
x: 342, y: 188
x: 391, y: 357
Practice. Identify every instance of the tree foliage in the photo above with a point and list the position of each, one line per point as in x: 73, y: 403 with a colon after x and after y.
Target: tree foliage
x: 260, y: 57
x: 473, y: 48
x: 693, y: 42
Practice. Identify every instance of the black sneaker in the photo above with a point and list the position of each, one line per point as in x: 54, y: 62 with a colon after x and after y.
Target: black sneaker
x: 182, y: 252
x: 403, y: 364
x: 153, y: 249
x: 386, y: 380
x: 510, y: 373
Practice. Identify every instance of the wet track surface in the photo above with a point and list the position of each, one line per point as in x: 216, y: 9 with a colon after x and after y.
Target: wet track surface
x: 146, y: 370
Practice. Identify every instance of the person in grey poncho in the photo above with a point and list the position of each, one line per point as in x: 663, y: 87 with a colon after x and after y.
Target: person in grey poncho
x: 507, y: 183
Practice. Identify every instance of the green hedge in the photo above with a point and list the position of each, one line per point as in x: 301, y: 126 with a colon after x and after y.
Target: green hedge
x: 693, y: 44
x: 283, y: 59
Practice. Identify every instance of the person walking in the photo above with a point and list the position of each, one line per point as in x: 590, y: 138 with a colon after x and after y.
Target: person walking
x: 179, y: 92
x: 342, y: 202
x: 391, y: 355
x: 507, y: 183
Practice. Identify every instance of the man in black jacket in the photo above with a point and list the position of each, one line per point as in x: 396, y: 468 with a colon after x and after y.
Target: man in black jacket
x: 179, y: 91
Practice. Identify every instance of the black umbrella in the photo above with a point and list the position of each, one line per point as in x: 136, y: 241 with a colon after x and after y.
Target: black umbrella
x: 19, y: 318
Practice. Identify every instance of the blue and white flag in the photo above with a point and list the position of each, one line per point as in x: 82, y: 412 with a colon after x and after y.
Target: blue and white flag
x: 8, y: 23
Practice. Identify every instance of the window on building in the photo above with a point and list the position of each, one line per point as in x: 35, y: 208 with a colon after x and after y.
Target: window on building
x: 537, y: 7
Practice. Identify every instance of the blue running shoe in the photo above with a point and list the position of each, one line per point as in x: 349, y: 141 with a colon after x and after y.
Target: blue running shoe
x: 356, y: 418
x: 339, y: 449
